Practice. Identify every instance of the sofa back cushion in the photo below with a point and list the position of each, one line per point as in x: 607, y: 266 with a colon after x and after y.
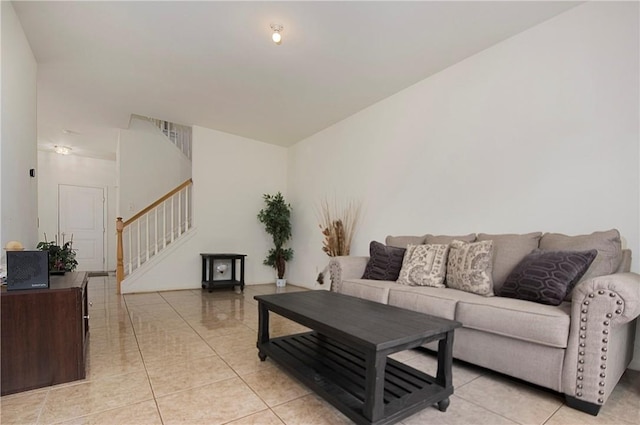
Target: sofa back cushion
x: 384, y: 263
x: 625, y: 264
x: 446, y: 239
x: 607, y: 243
x: 404, y: 241
x: 508, y: 251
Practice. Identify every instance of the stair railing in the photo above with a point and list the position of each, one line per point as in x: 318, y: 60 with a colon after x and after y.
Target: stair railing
x: 150, y: 231
x: 180, y: 135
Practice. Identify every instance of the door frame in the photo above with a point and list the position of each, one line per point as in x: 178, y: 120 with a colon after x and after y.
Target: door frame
x: 105, y: 199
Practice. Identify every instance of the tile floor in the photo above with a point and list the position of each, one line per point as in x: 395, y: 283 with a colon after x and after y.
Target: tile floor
x: 189, y: 357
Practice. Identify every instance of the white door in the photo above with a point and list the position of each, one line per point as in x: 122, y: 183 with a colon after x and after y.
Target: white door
x: 81, y: 214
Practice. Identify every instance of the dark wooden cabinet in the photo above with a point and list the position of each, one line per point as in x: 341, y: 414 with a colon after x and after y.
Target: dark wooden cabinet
x: 44, y: 334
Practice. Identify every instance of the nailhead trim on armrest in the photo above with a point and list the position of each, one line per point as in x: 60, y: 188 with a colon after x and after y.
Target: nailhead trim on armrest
x: 605, y: 340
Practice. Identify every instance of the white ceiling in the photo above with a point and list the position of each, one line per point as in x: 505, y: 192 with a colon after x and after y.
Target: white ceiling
x: 213, y: 64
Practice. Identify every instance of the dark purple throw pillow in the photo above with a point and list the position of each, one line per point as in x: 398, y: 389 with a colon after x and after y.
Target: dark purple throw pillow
x: 546, y: 277
x: 384, y: 263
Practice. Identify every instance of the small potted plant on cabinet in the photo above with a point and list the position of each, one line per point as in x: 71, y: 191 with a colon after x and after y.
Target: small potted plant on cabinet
x: 276, y: 217
x: 61, y: 258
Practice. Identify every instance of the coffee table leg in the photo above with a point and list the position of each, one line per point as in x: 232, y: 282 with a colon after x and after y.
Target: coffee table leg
x: 443, y: 404
x: 374, y: 392
x: 444, y: 377
x: 263, y: 329
x: 445, y: 361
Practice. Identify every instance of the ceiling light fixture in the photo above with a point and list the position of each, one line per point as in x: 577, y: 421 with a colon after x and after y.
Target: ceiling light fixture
x: 276, y: 36
x: 62, y: 150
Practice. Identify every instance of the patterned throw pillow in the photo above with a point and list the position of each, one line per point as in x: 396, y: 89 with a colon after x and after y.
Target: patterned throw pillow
x: 546, y: 277
x: 384, y: 263
x: 469, y: 267
x: 424, y: 265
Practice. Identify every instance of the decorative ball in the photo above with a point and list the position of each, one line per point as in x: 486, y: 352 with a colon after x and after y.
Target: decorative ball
x: 14, y: 246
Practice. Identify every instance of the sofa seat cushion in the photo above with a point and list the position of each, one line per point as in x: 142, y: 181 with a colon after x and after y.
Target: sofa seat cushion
x: 440, y: 302
x: 372, y: 290
x: 524, y: 320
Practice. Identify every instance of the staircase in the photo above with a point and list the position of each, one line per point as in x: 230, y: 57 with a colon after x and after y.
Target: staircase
x: 152, y: 230
x: 165, y: 220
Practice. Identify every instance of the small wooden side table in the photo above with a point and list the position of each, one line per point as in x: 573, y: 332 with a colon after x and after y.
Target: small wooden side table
x: 208, y: 270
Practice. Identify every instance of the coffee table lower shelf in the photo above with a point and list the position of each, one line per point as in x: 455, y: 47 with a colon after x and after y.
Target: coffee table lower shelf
x: 338, y: 374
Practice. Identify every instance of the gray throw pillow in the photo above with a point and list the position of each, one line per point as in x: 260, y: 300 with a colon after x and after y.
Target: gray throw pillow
x: 385, y: 262
x: 546, y: 277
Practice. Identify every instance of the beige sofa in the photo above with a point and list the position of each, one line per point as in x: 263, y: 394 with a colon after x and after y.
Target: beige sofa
x: 579, y: 348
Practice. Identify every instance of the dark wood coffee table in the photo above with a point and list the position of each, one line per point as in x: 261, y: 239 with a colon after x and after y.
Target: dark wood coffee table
x: 345, y: 361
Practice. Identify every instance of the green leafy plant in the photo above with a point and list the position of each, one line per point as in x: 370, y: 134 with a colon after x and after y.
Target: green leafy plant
x: 276, y: 217
x: 61, y: 258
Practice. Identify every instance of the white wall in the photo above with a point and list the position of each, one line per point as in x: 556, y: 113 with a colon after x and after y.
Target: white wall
x: 230, y: 175
x: 538, y: 133
x: 55, y: 170
x: 19, y: 206
x: 149, y: 165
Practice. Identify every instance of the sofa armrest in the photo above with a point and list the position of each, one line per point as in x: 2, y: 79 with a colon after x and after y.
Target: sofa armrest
x: 346, y: 267
x: 601, y: 339
x: 616, y: 294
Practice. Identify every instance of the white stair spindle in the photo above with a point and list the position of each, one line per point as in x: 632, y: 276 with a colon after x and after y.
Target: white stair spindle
x: 147, y: 237
x: 179, y: 214
x: 164, y: 224
x: 138, y: 243
x: 172, y: 217
x: 155, y: 232
x: 130, y: 250
x: 186, y: 208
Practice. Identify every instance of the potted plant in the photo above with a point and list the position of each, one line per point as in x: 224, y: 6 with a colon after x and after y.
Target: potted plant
x: 276, y: 217
x: 61, y: 258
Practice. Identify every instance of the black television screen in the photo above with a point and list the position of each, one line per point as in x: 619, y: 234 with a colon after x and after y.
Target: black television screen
x: 27, y: 270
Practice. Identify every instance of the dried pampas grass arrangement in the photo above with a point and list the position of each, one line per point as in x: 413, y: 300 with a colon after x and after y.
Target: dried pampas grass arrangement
x: 338, y: 225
